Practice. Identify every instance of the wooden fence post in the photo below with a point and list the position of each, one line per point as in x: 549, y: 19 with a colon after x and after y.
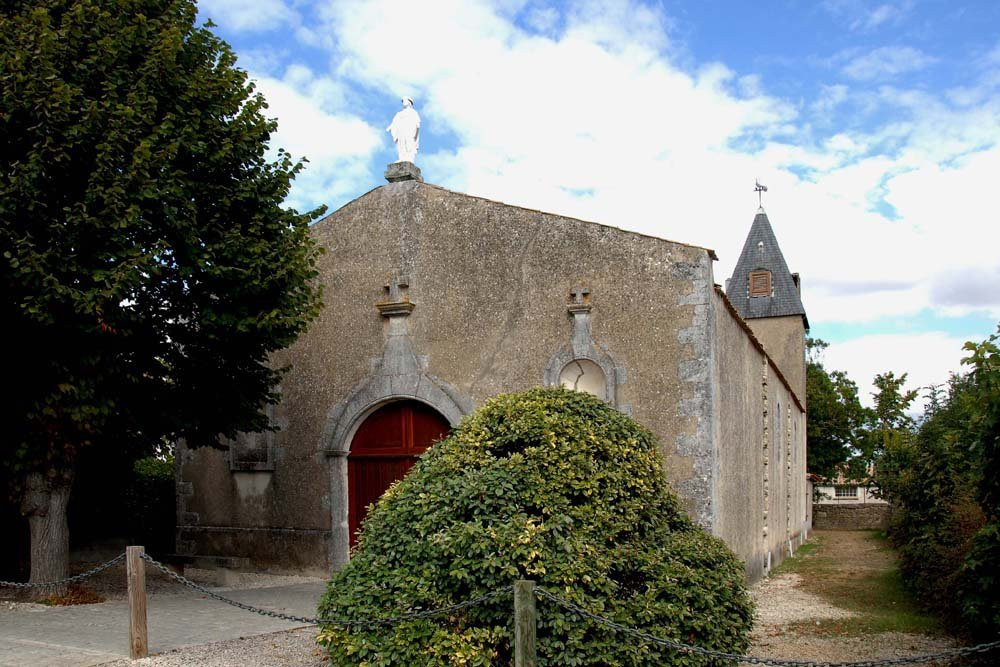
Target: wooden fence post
x: 136, y: 573
x: 525, y: 623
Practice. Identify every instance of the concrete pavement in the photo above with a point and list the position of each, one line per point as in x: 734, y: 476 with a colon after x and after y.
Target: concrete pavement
x: 93, y: 634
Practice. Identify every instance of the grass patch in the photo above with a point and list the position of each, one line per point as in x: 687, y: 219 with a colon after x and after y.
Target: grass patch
x: 864, y: 625
x: 804, y: 559
x: 857, y: 571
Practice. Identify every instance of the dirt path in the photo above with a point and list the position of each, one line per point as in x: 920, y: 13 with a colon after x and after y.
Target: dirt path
x: 841, y: 599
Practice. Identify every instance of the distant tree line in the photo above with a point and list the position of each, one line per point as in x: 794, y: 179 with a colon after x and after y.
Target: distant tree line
x: 940, y: 473
x: 843, y: 435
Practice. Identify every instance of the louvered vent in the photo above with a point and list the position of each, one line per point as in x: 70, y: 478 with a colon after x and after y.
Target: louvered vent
x: 760, y: 283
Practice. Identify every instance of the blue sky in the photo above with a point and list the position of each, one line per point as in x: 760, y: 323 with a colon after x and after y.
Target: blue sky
x: 875, y: 125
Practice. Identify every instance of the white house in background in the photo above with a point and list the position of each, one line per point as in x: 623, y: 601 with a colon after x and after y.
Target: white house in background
x: 842, y: 490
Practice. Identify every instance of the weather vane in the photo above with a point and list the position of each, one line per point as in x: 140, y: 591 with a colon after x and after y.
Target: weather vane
x: 760, y: 190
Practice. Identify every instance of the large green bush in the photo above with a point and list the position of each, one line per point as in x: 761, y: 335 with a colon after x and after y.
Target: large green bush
x: 944, y: 483
x: 550, y: 485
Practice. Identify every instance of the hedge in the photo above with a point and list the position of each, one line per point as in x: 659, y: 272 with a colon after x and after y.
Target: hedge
x: 550, y: 485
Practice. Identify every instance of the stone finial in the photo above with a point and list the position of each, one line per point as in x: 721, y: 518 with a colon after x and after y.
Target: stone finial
x: 403, y: 171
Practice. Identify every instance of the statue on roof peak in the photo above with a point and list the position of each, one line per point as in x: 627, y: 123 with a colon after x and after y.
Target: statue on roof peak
x: 405, y: 131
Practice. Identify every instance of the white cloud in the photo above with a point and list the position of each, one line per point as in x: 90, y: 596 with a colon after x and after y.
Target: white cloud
x: 248, y: 16
x: 880, y: 15
x: 339, y: 145
x: 886, y: 62
x: 973, y: 287
x: 993, y: 57
x: 542, y: 19
x: 263, y: 60
x: 865, y: 16
x: 595, y: 118
x: 829, y: 99
x: 539, y: 119
x: 926, y: 358
x: 596, y: 114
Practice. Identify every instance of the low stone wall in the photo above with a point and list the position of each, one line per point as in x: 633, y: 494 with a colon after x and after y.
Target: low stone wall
x: 853, y: 516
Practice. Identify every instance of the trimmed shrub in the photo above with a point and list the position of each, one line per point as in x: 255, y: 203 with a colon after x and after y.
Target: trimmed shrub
x: 550, y: 485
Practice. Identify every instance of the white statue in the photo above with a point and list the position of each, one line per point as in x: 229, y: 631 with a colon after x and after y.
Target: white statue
x: 405, y: 131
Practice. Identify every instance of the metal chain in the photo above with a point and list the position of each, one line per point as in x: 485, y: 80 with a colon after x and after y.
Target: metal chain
x: 753, y: 660
x: 492, y: 595
x: 342, y: 622
x: 62, y: 582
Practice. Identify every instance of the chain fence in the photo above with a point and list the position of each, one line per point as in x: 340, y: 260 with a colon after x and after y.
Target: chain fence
x: 947, y: 654
x: 341, y: 622
x: 68, y: 580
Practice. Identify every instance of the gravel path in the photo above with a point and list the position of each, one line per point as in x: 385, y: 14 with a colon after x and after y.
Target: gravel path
x: 280, y: 649
x: 781, y: 602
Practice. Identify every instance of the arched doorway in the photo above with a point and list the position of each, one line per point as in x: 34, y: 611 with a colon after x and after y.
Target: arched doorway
x: 384, y: 447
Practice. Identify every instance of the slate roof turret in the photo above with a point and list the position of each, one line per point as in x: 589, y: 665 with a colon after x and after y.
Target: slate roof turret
x: 761, y: 252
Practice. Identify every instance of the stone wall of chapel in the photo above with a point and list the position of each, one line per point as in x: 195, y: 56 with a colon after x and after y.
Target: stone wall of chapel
x: 784, y: 338
x: 490, y: 283
x: 740, y: 399
x: 762, y: 500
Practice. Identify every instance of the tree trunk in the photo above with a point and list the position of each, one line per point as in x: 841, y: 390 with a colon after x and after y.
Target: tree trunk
x: 44, y: 504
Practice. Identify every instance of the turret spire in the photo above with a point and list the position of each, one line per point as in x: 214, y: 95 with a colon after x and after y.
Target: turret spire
x: 762, y: 285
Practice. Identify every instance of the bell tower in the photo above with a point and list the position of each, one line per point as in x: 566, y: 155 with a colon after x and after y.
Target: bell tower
x: 768, y: 296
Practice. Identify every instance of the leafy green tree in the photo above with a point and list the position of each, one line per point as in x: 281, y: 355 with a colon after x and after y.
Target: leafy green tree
x: 551, y: 485
x: 892, y: 403
x: 924, y: 475
x: 836, y: 421
x: 942, y: 481
x: 148, y: 266
x: 984, y: 422
x: 979, y: 588
x: 892, y: 427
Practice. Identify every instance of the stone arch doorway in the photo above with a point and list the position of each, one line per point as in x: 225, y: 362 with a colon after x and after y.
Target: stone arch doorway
x: 384, y: 448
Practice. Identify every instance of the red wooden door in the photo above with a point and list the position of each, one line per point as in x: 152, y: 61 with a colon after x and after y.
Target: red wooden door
x: 385, y: 446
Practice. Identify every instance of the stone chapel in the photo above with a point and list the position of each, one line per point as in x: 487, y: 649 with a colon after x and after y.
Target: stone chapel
x: 437, y: 300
